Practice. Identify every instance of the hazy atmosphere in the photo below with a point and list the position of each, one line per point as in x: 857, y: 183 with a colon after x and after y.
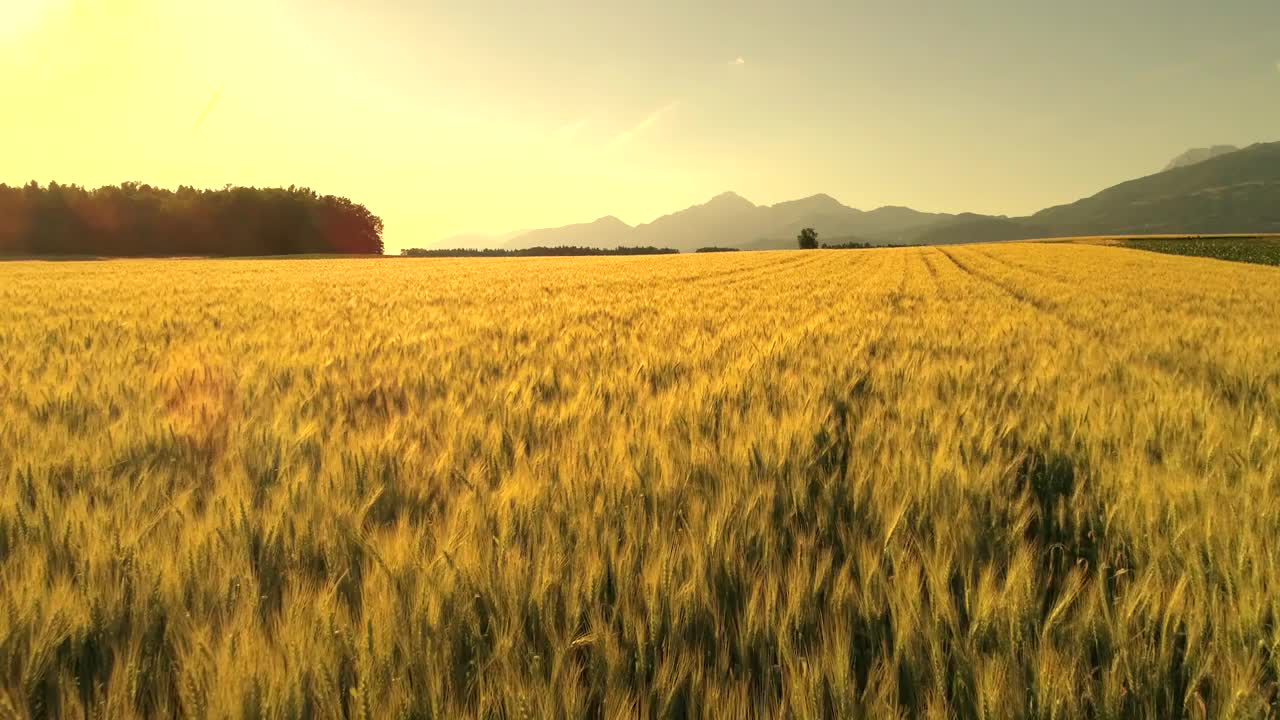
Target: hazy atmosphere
x: 471, y: 116
x: 660, y: 360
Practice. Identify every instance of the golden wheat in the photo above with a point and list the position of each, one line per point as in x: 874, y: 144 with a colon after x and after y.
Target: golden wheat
x: 1014, y: 481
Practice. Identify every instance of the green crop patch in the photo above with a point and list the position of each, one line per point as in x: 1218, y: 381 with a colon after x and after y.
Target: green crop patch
x: 1256, y: 250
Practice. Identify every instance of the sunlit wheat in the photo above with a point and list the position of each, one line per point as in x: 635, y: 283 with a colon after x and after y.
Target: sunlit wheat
x: 1014, y: 481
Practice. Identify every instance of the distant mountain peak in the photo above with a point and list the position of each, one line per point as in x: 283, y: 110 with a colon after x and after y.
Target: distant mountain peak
x: 609, y: 220
x: 1199, y: 155
x: 729, y: 197
x: 821, y: 201
x: 821, y: 198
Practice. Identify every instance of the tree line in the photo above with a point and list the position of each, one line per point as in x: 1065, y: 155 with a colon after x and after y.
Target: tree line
x: 540, y: 251
x: 808, y: 240
x: 138, y: 220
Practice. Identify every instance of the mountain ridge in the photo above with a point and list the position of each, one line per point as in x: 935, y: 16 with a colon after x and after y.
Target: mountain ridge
x: 1220, y: 189
x: 731, y: 220
x: 1233, y: 192
x: 1199, y: 155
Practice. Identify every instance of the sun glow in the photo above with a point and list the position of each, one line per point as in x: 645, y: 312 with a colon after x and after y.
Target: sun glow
x: 21, y: 17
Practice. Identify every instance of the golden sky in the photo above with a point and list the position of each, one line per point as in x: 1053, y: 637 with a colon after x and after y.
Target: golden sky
x: 446, y: 116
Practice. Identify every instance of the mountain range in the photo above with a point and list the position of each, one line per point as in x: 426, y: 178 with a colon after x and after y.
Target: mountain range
x: 726, y: 220
x: 1206, y: 190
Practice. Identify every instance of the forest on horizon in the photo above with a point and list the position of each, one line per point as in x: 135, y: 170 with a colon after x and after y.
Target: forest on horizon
x: 139, y: 220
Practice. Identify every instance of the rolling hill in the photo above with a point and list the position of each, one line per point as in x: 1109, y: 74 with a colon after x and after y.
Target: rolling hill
x: 970, y: 228
x: 1233, y: 192
x: 475, y: 241
x: 1225, y: 192
x: 607, y: 232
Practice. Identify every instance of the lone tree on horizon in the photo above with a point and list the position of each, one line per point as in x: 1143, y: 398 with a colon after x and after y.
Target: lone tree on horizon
x: 808, y: 239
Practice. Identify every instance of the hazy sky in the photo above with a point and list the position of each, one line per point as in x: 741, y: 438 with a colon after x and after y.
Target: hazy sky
x: 445, y: 117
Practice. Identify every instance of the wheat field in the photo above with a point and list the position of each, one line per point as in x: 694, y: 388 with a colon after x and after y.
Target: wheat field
x: 1003, y: 481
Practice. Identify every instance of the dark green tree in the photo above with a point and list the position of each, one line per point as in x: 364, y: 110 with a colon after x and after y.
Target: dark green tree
x: 808, y: 239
